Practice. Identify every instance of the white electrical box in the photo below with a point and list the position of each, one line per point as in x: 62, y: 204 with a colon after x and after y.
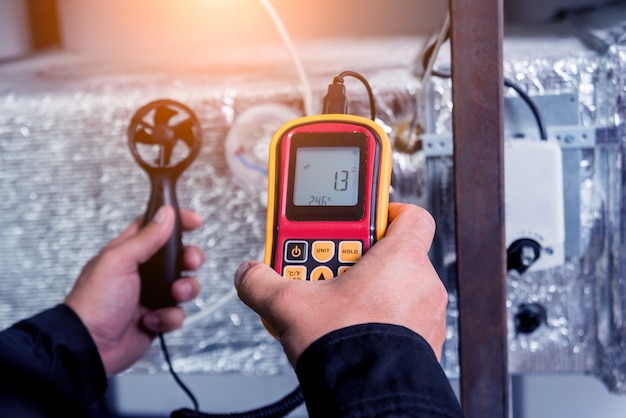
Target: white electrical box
x: 534, y: 210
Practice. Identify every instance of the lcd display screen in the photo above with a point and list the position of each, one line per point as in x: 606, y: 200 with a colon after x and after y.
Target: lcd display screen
x: 326, y: 176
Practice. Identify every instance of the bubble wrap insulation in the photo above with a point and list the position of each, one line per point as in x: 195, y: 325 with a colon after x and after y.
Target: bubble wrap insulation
x: 69, y: 184
x: 605, y: 261
x: 584, y: 298
x: 567, y: 342
x: 584, y: 329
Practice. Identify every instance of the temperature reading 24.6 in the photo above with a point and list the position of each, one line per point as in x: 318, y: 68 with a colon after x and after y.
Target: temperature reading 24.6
x: 319, y: 200
x: 326, y: 176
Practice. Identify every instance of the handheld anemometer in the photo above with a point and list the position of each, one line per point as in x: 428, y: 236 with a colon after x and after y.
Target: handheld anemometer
x: 328, y: 191
x: 164, y: 137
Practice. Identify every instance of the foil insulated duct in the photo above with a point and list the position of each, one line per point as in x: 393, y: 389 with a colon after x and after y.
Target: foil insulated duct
x: 69, y: 187
x: 69, y: 184
x: 567, y: 318
x: 605, y: 32
x: 564, y: 340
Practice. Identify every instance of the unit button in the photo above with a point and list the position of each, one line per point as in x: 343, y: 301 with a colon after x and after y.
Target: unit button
x: 323, y: 251
x: 350, y: 251
x: 321, y: 273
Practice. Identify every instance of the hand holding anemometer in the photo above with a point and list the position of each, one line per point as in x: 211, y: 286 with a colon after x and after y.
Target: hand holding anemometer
x: 159, y: 133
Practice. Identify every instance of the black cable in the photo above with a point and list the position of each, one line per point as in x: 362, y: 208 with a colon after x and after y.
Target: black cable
x: 529, y: 101
x: 335, y: 99
x: 184, y: 387
x: 277, y: 409
x: 531, y: 104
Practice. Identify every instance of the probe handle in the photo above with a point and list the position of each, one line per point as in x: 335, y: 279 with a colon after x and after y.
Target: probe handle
x: 163, y: 268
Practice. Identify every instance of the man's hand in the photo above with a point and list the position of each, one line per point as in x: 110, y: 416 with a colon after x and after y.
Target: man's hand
x: 106, y: 294
x: 393, y: 283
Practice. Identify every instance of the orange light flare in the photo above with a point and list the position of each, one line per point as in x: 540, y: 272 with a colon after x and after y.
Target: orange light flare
x: 152, y: 28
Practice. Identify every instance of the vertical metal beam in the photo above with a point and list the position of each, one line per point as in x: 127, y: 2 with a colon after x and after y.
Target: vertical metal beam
x: 478, y: 127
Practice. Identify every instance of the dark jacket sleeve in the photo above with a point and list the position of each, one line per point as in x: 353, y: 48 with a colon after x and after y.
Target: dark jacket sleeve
x: 49, y: 366
x: 375, y: 370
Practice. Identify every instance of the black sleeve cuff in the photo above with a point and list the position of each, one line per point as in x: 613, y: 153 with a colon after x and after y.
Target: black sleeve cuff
x: 374, y: 370
x: 51, y: 356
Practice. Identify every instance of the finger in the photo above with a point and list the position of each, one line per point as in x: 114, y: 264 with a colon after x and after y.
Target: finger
x: 185, y: 289
x: 257, y: 285
x: 189, y: 219
x: 164, y: 320
x: 411, y: 222
x: 193, y: 258
x: 147, y: 241
x: 405, y: 214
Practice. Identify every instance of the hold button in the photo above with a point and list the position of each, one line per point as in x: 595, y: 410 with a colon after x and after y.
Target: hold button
x: 350, y: 251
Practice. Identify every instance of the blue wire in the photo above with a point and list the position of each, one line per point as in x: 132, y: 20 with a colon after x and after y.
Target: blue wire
x: 249, y: 165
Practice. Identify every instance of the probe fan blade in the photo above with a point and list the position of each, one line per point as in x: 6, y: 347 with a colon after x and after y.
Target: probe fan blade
x: 184, y: 131
x: 144, y: 137
x: 163, y: 114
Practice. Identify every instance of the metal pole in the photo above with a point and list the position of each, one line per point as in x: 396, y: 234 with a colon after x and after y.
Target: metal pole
x: 478, y: 127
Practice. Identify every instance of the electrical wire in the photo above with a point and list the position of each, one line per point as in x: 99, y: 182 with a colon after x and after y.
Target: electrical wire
x: 429, y: 57
x: 178, y: 380
x: 541, y: 126
x: 428, y: 70
x: 305, y: 87
x: 533, y: 107
x: 339, y: 81
x: 278, y: 409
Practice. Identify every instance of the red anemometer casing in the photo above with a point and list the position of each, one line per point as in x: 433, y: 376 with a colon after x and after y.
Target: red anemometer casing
x: 328, y: 194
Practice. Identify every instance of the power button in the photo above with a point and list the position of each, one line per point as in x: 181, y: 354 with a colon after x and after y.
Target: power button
x: 296, y: 251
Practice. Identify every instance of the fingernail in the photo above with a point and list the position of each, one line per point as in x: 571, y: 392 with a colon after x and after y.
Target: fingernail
x: 151, y: 321
x: 186, y: 289
x: 241, y: 271
x: 159, y: 216
x: 197, y: 259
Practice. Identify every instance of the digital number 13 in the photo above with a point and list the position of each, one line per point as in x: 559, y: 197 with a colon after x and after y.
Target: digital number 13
x: 341, y: 180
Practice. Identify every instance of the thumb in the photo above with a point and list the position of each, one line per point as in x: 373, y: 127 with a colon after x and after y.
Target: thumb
x: 150, y: 238
x: 257, y: 285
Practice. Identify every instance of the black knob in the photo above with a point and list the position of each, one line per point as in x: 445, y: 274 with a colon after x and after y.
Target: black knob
x: 529, y: 317
x: 522, y: 253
